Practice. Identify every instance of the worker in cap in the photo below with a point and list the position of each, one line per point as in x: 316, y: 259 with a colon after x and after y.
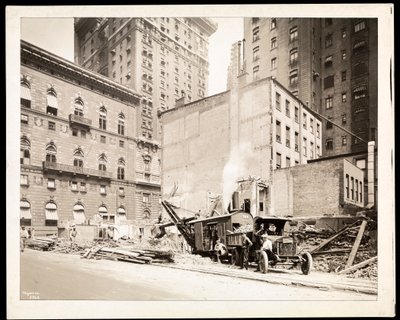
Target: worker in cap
x: 267, y: 247
x: 244, y: 258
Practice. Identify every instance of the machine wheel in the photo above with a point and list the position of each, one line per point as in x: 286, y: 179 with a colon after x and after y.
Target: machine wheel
x: 306, y: 265
x: 235, y: 257
x: 263, y: 262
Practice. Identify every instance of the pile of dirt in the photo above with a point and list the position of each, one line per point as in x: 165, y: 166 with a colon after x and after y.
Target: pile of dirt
x: 193, y: 259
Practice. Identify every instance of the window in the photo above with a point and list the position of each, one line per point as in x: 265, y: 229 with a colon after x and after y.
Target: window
x: 103, y: 139
x: 256, y: 53
x: 328, y: 41
x: 256, y: 34
x: 254, y: 20
x: 278, y: 101
x: 25, y: 151
x: 305, y: 121
x: 295, y: 93
x: 273, y: 63
x: 121, y: 191
x: 359, y: 26
x: 296, y: 141
x: 343, y: 54
x: 344, y: 140
x: 122, y: 143
x: 296, y: 114
x: 328, y: 82
x: 146, y: 198
x: 51, y: 125
x: 293, y: 77
x: 147, y: 165
x: 82, y: 187
x: 344, y: 74
x: 344, y: 97
x: 121, y: 169
x: 103, y: 189
x: 361, y: 188
x: 51, y: 183
x: 83, y: 134
x: 74, y: 132
x: 293, y: 34
x: 360, y: 69
x: 25, y: 94
x: 79, y: 213
x: 25, y: 212
x: 329, y: 103
x: 274, y: 43
x: 305, y: 147
x: 311, y: 125
x: 318, y: 130
x: 329, y: 144
x: 318, y: 151
x: 347, y: 186
x: 78, y: 107
x: 51, y: 214
x: 24, y: 118
x: 288, y: 137
x: 102, y: 162
x: 359, y: 92
x: 359, y: 47
x: 278, y: 160
x: 273, y: 23
x: 51, y: 152
x: 329, y: 124
x: 24, y: 180
x: 294, y: 55
x: 329, y: 61
x: 344, y: 33
x: 102, y: 118
x: 278, y: 131
x: 287, y: 162
x: 352, y: 188
x: 356, y: 191
x: 311, y: 150
x: 344, y: 118
x: 256, y: 72
x: 78, y: 158
x: 287, y: 108
x: 52, y: 103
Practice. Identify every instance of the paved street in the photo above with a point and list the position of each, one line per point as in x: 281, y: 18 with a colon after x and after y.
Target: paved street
x: 54, y: 276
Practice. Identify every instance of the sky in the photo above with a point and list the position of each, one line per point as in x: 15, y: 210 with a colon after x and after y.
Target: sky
x: 57, y: 36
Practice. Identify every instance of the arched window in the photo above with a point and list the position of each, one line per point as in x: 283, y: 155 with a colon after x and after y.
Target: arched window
x: 121, y: 123
x: 147, y: 214
x: 121, y: 169
x: 103, y: 212
x: 52, y: 103
x: 51, y: 214
x: 102, y: 162
x: 25, y: 94
x: 103, y: 118
x: 25, y: 213
x: 79, y: 213
x: 121, y: 213
x: 78, y: 105
x: 78, y: 158
x: 25, y: 151
x: 51, y: 152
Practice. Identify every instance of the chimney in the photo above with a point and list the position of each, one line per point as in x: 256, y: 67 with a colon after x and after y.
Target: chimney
x: 370, y: 174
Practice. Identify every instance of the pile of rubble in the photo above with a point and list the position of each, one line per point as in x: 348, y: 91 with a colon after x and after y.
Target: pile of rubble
x: 243, y: 228
x: 41, y: 243
x: 193, y: 259
x: 350, y: 251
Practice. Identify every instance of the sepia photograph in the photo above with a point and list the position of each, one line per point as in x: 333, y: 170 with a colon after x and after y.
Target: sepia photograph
x: 200, y: 161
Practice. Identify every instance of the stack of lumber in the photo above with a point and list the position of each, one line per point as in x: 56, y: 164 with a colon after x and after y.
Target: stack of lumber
x: 344, y: 252
x: 128, y: 254
x: 40, y: 243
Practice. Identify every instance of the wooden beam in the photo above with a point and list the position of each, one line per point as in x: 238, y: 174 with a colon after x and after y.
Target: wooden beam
x: 327, y: 241
x: 356, y: 244
x: 358, y: 266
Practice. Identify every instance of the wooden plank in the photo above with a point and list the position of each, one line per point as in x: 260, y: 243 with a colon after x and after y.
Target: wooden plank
x: 329, y: 240
x: 335, y: 251
x: 121, y: 252
x: 131, y: 260
x: 356, y: 244
x: 359, y: 265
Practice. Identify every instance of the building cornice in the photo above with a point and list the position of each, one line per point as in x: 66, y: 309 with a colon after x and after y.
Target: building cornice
x: 76, y: 73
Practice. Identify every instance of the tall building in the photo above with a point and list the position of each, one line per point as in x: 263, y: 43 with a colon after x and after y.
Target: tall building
x: 79, y: 148
x: 329, y: 63
x: 250, y: 130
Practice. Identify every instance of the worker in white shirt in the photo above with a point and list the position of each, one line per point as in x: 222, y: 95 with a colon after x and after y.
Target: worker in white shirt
x: 267, y: 247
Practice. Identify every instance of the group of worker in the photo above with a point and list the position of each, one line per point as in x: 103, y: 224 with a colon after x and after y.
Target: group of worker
x: 265, y: 244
